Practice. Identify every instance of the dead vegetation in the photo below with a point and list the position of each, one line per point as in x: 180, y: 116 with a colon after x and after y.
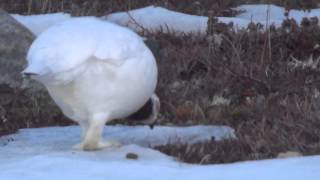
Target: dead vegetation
x: 271, y: 79
x: 102, y: 7
x: 264, y: 84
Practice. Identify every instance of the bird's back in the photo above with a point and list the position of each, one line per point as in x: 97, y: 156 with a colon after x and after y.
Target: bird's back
x: 68, y: 45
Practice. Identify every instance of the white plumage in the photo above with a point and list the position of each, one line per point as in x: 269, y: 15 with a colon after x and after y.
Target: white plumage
x: 95, y: 71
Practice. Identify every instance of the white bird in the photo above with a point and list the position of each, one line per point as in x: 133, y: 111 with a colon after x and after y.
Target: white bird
x: 95, y: 71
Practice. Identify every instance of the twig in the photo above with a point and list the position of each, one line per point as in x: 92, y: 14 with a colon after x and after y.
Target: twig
x: 29, y: 7
x: 233, y: 47
x: 249, y: 77
x: 137, y: 24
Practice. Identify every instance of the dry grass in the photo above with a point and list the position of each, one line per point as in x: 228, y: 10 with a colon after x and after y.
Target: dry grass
x: 270, y: 78
x: 274, y: 102
x: 102, y: 7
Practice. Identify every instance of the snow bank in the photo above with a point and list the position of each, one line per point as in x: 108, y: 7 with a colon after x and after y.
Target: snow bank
x: 259, y: 13
x: 44, y: 153
x: 153, y: 18
x: 39, y: 23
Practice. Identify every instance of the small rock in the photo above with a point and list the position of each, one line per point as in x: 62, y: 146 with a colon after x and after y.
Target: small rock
x: 132, y: 156
x: 19, y: 104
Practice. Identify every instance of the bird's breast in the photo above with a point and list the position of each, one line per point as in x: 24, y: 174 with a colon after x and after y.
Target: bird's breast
x: 103, y: 88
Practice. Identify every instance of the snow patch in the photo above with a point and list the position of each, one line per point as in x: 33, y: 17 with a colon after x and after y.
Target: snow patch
x: 58, y: 139
x: 153, y: 18
x: 44, y: 153
x: 259, y: 13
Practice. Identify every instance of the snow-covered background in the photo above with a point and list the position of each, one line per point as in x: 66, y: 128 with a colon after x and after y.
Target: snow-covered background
x: 154, y: 18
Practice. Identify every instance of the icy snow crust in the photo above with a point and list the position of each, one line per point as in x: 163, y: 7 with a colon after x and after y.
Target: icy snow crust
x: 44, y: 153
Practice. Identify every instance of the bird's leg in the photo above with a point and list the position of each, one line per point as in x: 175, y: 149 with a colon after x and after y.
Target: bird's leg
x: 93, y: 137
x: 84, y: 128
x: 155, y: 110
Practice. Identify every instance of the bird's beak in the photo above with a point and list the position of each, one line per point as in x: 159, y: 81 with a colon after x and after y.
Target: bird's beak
x: 28, y: 75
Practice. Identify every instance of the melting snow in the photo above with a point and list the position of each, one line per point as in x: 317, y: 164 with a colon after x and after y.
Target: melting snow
x: 44, y: 153
x: 154, y: 18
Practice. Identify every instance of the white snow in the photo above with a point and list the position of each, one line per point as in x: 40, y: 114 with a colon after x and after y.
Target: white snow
x: 157, y: 18
x: 259, y: 13
x: 153, y: 18
x: 44, y: 153
x: 39, y: 23
x: 43, y: 140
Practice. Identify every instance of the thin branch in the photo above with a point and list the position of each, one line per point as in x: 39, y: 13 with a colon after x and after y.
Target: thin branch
x: 137, y: 24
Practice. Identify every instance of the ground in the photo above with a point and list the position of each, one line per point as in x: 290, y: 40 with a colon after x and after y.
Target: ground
x: 45, y: 153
